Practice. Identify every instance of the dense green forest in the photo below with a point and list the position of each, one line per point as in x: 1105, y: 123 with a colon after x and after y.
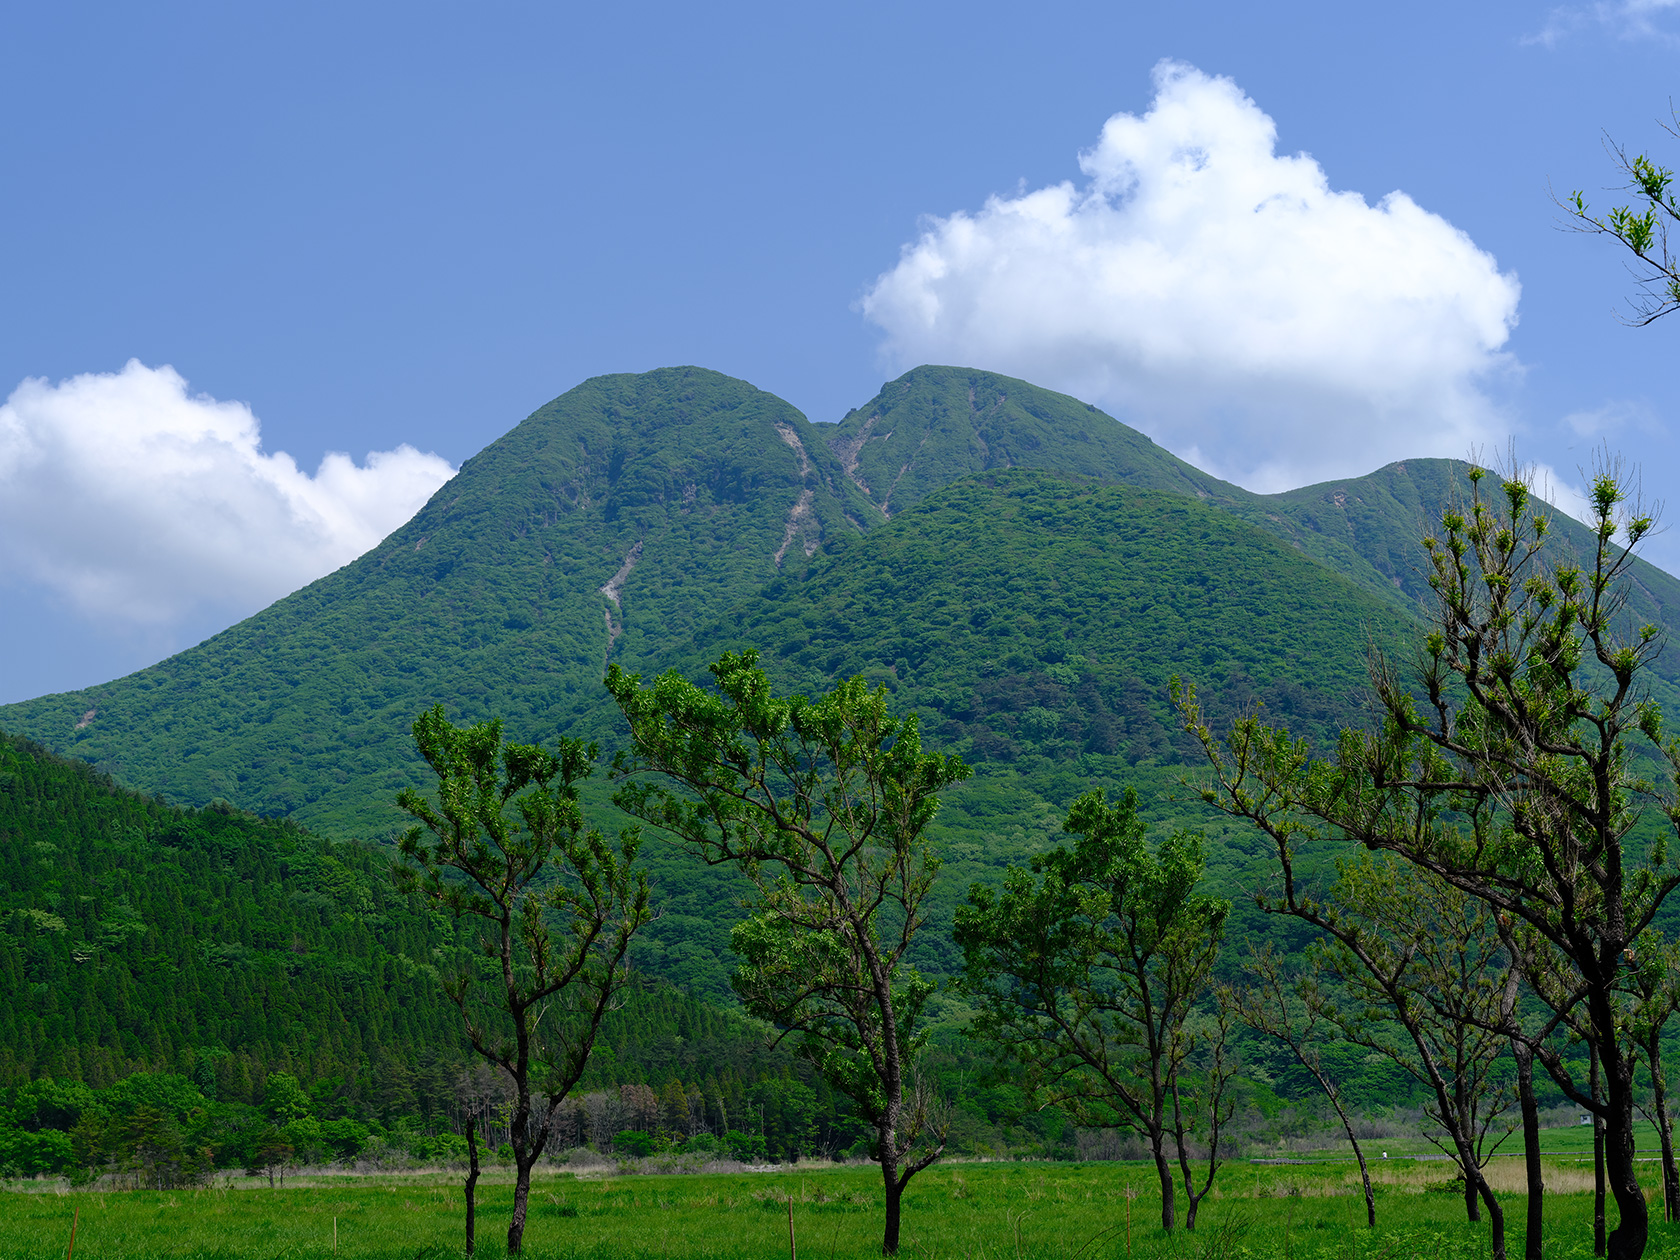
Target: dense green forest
x: 206, y: 988
x: 1043, y: 656
x: 224, y: 948
x: 169, y: 971
x: 141, y: 935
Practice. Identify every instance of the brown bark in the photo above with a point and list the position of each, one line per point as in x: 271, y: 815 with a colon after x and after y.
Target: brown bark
x: 1598, y: 1150
x: 895, y: 1199
x: 1496, y: 1216
x: 1163, y: 1169
x: 1627, y: 1241
x: 1534, y: 1231
x: 472, y: 1180
x: 1665, y: 1126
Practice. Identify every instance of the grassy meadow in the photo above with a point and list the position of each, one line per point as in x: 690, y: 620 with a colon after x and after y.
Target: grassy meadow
x: 1012, y: 1211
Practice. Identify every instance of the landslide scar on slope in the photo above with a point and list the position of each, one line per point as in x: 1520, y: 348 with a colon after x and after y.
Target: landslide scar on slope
x: 801, y: 519
x: 614, y: 585
x: 848, y: 454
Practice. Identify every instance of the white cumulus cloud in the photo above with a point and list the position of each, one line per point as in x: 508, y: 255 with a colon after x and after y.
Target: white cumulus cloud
x: 1221, y: 296
x: 143, y: 504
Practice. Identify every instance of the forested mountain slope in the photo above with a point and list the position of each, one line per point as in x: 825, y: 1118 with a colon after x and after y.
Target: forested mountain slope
x: 135, y: 935
x: 140, y: 937
x: 618, y: 518
x: 935, y: 424
x: 1033, y: 622
x: 624, y: 517
x: 1030, y: 614
x: 1023, y: 570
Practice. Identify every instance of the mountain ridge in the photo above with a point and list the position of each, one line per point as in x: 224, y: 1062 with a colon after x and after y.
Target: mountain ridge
x: 980, y: 551
x: 1368, y: 528
x: 619, y: 521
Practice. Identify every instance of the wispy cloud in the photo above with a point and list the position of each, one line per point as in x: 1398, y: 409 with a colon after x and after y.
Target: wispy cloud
x: 145, y: 505
x: 1222, y: 296
x: 1619, y: 415
x: 1657, y: 20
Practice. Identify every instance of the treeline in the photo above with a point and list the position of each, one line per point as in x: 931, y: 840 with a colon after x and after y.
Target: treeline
x: 139, y: 937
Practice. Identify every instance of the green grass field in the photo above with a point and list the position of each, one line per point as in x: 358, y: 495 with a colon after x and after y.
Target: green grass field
x: 1016, y: 1211
x: 1565, y: 1142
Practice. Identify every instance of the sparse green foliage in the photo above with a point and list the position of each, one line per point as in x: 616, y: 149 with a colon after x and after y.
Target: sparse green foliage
x: 1511, y: 779
x: 1654, y: 984
x: 824, y: 804
x: 1296, y: 1009
x: 1642, y: 227
x: 1088, y: 969
x: 555, y: 906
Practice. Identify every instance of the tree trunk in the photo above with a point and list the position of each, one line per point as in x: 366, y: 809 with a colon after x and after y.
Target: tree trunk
x: 1329, y: 1089
x: 1163, y: 1169
x: 1496, y: 1217
x: 1365, y: 1177
x: 1191, y: 1200
x: 472, y: 1179
x: 1627, y: 1241
x: 895, y: 1198
x: 1665, y: 1130
x: 889, y: 1239
x: 1535, y: 1225
x: 1598, y: 1149
x: 521, y: 1199
x: 1478, y: 1192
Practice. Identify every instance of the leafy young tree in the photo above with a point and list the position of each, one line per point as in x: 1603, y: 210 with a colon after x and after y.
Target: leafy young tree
x: 1642, y: 227
x: 1088, y: 968
x: 824, y: 804
x: 1512, y: 780
x: 1295, y: 1010
x: 284, y: 1099
x: 555, y: 906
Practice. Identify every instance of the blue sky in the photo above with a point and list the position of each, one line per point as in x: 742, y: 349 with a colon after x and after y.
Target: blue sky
x: 381, y: 227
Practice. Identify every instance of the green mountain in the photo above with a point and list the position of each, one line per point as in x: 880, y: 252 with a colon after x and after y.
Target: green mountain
x: 1034, y: 621
x: 624, y: 518
x: 1022, y: 569
x: 936, y: 424
x: 615, y: 519
x: 1028, y: 613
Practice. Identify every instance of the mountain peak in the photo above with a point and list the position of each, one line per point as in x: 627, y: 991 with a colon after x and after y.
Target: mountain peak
x: 936, y: 423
